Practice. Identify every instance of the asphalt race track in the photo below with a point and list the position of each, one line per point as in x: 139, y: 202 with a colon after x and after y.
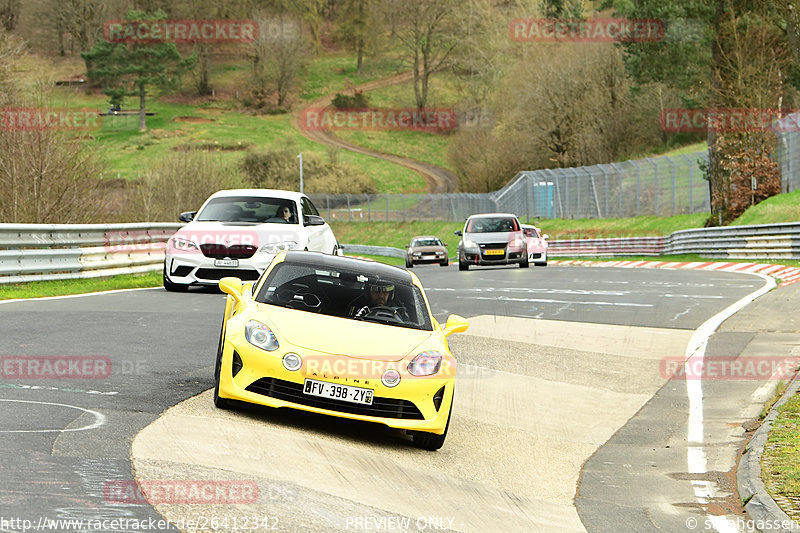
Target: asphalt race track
x: 560, y: 368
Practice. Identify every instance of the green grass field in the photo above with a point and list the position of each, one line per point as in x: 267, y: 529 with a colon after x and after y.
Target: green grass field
x: 38, y: 289
x: 780, y: 463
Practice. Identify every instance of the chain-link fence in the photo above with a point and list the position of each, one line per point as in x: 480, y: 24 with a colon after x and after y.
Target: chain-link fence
x: 788, y: 153
x: 661, y: 186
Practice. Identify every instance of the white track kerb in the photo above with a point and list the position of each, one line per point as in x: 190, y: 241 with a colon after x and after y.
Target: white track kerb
x: 695, y: 352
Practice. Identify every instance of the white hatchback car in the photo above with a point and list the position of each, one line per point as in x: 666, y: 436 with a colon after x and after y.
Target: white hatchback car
x: 238, y: 232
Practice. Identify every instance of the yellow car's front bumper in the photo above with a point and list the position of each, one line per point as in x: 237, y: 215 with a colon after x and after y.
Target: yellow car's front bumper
x: 262, y: 379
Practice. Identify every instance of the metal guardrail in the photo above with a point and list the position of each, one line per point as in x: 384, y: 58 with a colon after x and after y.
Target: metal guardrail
x: 38, y: 252
x: 763, y: 241
x: 363, y: 249
x: 41, y: 252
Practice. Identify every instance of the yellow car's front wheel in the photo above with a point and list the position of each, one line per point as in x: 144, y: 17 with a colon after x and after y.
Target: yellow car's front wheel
x: 221, y: 403
x: 431, y: 441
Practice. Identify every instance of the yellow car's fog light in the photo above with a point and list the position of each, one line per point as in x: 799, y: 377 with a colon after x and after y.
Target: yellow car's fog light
x: 292, y: 361
x: 390, y: 378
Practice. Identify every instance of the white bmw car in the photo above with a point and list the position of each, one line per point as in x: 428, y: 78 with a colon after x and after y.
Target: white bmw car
x: 238, y: 232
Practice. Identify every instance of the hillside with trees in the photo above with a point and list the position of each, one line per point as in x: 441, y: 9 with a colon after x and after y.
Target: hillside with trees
x: 223, y: 109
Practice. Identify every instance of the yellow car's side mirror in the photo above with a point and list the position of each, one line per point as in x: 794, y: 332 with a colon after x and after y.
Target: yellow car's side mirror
x: 455, y: 324
x: 232, y: 286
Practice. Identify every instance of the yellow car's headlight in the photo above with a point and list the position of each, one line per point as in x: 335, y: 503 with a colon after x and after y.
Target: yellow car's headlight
x: 260, y: 335
x: 425, y: 363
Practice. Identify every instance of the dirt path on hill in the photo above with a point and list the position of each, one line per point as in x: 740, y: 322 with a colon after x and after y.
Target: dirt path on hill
x: 439, y: 180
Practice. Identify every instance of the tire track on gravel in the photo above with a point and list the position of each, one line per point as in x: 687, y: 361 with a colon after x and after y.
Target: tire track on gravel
x: 439, y: 180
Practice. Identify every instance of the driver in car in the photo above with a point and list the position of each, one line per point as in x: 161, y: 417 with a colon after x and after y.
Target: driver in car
x: 379, y: 294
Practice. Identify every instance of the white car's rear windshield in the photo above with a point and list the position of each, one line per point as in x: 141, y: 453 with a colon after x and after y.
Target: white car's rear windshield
x: 249, y: 209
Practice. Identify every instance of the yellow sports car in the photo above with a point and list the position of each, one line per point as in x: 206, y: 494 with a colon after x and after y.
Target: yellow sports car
x: 338, y: 336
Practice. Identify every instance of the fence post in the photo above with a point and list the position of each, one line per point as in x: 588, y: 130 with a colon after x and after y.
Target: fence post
x: 328, y: 203
x: 691, y: 184
x: 638, y: 188
x: 369, y: 211
x: 349, y: 211
x: 605, y: 178
x: 387, y: 208
x: 577, y: 192
x: 403, y: 196
x: 672, y: 206
x: 655, y: 186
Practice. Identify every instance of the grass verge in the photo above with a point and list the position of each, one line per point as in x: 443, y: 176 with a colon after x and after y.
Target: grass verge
x: 38, y: 289
x: 780, y: 463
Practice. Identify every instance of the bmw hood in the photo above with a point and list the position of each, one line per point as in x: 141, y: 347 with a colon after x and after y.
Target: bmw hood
x: 344, y: 336
x: 239, y: 233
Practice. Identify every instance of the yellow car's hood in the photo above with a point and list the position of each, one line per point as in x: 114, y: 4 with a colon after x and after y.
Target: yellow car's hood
x: 344, y: 336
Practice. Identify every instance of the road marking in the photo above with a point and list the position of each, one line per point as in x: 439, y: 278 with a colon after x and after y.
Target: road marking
x: 696, y: 350
x: 548, y: 301
x: 100, y: 418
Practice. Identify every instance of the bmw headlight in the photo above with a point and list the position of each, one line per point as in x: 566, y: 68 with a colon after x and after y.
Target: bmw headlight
x: 182, y: 243
x: 277, y: 247
x: 469, y: 244
x: 425, y: 363
x: 260, y: 335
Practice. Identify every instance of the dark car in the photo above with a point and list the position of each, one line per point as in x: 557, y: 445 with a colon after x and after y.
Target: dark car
x: 426, y: 249
x: 492, y: 239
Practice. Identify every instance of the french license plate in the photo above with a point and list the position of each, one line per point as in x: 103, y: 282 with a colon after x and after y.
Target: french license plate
x: 334, y: 391
x: 494, y: 252
x: 226, y: 262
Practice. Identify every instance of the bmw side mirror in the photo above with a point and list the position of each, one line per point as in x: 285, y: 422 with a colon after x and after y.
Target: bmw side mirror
x: 187, y: 216
x: 457, y: 233
x: 313, y: 220
x: 545, y: 236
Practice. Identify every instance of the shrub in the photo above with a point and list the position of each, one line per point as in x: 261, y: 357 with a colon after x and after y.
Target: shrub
x: 181, y: 182
x: 279, y: 169
x: 359, y: 100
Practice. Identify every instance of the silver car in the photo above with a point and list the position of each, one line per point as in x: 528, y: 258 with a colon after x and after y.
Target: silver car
x: 492, y: 239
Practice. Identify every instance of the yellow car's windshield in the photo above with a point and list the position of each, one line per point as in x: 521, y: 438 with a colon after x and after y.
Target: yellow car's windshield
x: 347, y: 294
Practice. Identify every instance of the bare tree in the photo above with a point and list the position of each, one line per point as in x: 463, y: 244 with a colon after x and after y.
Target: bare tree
x: 428, y: 31
x: 280, y: 54
x: 48, y: 176
x: 9, y: 13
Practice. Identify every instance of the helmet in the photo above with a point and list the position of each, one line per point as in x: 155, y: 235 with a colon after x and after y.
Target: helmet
x: 381, y: 286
